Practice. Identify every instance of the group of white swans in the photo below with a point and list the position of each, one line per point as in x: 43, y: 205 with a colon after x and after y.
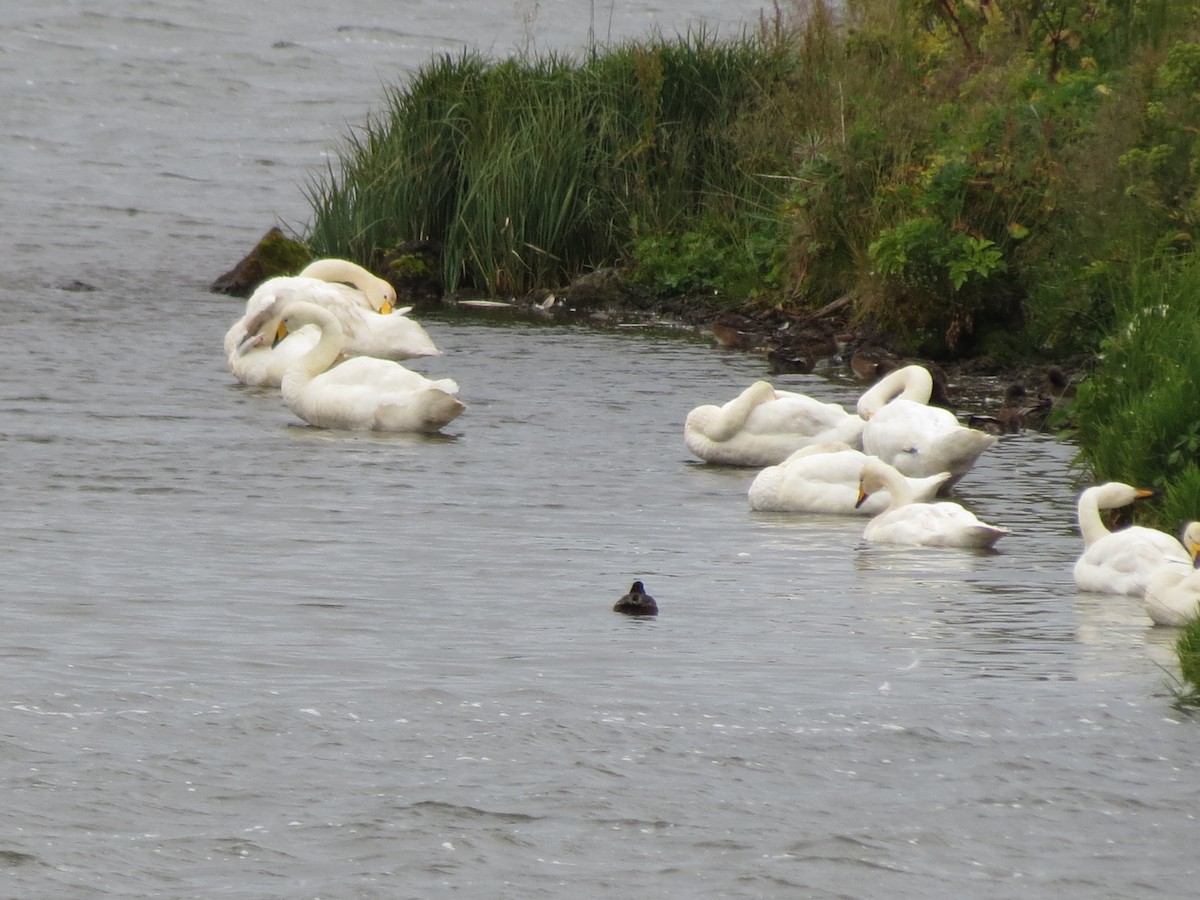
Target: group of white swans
x: 330, y: 338
x: 895, y: 454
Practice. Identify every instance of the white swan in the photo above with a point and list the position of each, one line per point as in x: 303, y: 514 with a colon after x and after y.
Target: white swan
x: 918, y: 439
x: 762, y: 427
x: 380, y: 329
x: 352, y: 281
x: 254, y: 357
x: 255, y: 360
x: 361, y: 393
x: 1173, y: 593
x: 907, y: 521
x: 824, y: 478
x: 1120, y: 562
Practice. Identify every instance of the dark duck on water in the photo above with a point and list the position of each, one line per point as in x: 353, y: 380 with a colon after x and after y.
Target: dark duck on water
x: 637, y: 602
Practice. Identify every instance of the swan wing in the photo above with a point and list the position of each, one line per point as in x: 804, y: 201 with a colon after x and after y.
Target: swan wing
x: 1172, y: 595
x: 1124, y: 561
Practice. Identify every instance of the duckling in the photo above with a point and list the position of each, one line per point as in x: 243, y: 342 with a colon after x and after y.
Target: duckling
x: 637, y: 602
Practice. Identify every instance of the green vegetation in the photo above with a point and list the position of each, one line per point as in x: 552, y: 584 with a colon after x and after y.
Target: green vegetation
x: 1187, y: 645
x: 531, y: 172
x: 977, y: 176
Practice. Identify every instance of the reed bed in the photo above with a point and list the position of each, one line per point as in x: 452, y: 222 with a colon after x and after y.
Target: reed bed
x: 529, y: 172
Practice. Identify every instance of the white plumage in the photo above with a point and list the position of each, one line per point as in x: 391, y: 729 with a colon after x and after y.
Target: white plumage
x: 361, y: 393
x: 763, y: 426
x: 917, y: 439
x: 824, y: 478
x: 908, y: 521
x: 1173, y: 593
x: 365, y: 313
x: 1120, y: 562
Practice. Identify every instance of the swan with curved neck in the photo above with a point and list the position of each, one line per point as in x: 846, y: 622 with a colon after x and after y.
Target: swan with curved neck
x: 253, y: 355
x: 912, y: 383
x: 1173, y: 592
x: 373, y: 292
x: 917, y: 439
x: 362, y: 393
x: 907, y: 520
x: 763, y: 427
x: 824, y: 478
x: 1120, y: 562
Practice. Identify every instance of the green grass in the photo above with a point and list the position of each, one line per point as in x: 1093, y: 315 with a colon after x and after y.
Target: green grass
x: 529, y: 172
x: 1138, y: 415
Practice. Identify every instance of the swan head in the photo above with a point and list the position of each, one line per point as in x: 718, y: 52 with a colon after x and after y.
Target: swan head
x: 296, y: 315
x: 378, y: 291
x: 1114, y: 494
x: 637, y: 602
x: 1191, y: 542
x: 874, y: 477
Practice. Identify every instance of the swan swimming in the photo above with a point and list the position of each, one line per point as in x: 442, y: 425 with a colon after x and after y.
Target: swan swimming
x: 917, y: 439
x: 1120, y: 562
x: 907, y: 521
x: 1173, y: 593
x: 824, y: 478
x: 763, y: 426
x: 361, y: 393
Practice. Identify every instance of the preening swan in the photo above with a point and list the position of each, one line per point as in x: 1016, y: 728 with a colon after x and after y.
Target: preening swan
x: 917, y: 439
x: 362, y: 393
x: 257, y: 361
x: 907, y: 521
x: 353, y: 282
x: 1120, y: 562
x: 824, y: 478
x: 1173, y: 594
x: 763, y: 426
x: 253, y: 356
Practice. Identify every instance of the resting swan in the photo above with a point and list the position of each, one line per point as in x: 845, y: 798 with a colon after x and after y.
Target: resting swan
x: 824, y: 478
x: 1120, y: 562
x: 354, y: 283
x: 918, y: 439
x: 365, y: 315
x: 763, y: 426
x: 1173, y: 593
x: 255, y: 360
x: 361, y: 393
x: 907, y: 521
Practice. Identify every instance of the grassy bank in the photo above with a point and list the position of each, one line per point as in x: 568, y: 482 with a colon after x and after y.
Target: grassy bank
x: 976, y: 180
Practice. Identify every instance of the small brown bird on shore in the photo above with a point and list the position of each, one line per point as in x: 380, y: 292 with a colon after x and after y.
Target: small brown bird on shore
x: 637, y: 602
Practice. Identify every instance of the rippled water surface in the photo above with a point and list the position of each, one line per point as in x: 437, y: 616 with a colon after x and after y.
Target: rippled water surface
x: 244, y: 657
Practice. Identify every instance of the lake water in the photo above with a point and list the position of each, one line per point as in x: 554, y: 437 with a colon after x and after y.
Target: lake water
x: 243, y: 657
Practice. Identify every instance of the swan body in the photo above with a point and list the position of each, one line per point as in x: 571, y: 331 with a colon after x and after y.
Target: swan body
x: 1120, y: 562
x: 1173, y: 592
x: 762, y: 427
x: 365, y: 315
x: 824, y: 478
x: 909, y: 521
x: 361, y: 393
x: 917, y: 439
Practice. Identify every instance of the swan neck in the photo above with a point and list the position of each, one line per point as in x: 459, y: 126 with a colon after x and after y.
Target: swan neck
x: 1091, y: 526
x: 909, y: 383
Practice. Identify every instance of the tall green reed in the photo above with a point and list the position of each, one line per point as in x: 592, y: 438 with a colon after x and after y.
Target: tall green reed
x: 531, y: 171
